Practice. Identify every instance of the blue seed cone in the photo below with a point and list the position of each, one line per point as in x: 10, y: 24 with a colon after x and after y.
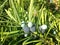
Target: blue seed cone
x: 32, y: 29
x: 26, y: 29
x: 41, y: 30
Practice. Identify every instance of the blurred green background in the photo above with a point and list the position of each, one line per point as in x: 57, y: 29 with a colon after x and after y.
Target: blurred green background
x: 39, y: 12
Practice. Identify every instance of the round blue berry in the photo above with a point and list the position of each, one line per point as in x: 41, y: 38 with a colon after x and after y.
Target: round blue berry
x: 32, y: 29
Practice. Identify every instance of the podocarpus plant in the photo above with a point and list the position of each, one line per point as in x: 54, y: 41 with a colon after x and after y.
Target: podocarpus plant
x: 38, y: 16
x: 8, y: 26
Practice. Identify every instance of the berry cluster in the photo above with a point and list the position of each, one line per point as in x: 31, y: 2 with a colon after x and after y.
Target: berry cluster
x: 30, y: 27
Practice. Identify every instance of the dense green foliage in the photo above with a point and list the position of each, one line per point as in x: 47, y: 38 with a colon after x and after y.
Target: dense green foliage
x: 39, y: 12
